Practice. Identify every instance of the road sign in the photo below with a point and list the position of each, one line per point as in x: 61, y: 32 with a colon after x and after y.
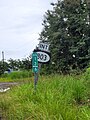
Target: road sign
x: 35, y: 62
x: 43, y: 57
x: 43, y: 47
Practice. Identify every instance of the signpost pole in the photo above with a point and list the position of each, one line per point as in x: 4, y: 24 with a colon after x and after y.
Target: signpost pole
x: 35, y: 80
x: 39, y: 66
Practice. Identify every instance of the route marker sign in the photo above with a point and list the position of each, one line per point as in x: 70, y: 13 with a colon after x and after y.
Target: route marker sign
x: 43, y: 47
x: 35, y: 62
x: 43, y: 57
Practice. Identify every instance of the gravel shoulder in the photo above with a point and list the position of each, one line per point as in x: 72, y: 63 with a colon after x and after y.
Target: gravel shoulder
x: 7, y: 84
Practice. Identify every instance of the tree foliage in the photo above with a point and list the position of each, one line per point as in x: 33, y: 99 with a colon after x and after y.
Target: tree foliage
x: 67, y: 29
x: 24, y: 64
x: 3, y: 67
x: 15, y: 65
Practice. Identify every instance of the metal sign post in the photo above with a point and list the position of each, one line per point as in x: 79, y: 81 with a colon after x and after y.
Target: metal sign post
x: 35, y: 80
x: 35, y: 67
x: 41, y: 55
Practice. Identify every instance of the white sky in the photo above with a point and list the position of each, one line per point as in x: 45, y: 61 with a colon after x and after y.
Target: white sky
x: 20, y: 25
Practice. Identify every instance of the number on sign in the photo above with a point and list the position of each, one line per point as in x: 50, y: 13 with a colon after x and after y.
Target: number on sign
x: 42, y: 57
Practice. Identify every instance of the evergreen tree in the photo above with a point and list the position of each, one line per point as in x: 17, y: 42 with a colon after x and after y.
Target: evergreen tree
x: 67, y: 30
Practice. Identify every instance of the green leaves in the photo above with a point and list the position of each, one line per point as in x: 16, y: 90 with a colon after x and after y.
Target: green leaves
x: 66, y: 29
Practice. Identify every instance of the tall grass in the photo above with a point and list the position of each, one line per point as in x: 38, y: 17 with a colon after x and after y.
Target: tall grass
x: 16, y: 76
x: 56, y: 98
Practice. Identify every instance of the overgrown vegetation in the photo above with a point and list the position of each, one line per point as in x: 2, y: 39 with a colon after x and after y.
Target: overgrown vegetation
x: 56, y: 98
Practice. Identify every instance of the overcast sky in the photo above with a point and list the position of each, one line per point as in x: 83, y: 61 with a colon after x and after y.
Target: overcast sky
x: 20, y: 25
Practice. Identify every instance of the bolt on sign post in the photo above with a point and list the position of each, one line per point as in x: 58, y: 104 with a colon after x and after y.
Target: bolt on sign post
x: 35, y: 67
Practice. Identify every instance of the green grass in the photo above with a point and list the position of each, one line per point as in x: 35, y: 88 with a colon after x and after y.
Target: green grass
x: 16, y: 76
x: 57, y: 97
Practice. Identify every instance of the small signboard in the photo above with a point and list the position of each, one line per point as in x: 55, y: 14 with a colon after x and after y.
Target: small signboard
x: 43, y: 47
x: 35, y: 62
x: 43, y: 57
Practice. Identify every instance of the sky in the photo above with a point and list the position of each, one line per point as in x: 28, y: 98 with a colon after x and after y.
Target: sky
x: 20, y: 26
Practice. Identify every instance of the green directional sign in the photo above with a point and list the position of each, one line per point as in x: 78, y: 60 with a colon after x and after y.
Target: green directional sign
x: 35, y: 62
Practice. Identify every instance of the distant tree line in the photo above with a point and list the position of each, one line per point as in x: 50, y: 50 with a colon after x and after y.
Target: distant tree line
x: 67, y: 29
x: 14, y: 65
